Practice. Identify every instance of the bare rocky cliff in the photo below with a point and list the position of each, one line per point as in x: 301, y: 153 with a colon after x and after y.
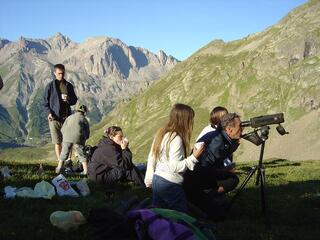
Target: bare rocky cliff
x: 103, y: 70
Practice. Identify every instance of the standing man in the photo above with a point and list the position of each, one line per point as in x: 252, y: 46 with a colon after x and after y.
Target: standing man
x: 58, y: 97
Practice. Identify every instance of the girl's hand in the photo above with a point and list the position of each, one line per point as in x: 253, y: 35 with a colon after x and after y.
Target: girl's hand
x: 198, y: 151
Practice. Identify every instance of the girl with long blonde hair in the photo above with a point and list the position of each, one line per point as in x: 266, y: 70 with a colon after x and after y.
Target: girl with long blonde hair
x: 168, y: 159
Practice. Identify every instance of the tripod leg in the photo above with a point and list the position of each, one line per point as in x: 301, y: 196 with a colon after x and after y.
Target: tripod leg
x: 262, y: 190
x: 258, y: 176
x: 243, y: 184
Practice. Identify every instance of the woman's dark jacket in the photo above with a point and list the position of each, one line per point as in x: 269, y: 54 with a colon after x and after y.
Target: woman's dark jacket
x: 107, y: 156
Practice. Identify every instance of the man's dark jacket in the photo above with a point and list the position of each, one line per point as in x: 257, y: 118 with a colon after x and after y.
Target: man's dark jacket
x: 52, y: 99
x: 218, y: 147
x: 107, y: 156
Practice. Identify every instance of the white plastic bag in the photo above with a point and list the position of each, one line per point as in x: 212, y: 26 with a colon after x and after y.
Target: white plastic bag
x: 66, y: 220
x: 44, y: 189
x: 83, y: 187
x: 63, y: 187
x: 10, y: 192
x: 26, y: 192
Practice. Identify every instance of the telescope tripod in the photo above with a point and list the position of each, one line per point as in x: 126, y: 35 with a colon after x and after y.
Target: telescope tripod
x: 260, y: 179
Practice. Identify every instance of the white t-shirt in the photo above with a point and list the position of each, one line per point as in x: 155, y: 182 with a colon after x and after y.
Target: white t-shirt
x: 204, y: 131
x: 169, y: 167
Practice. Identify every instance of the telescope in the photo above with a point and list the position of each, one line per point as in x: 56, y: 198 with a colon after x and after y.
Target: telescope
x: 260, y: 121
x: 261, y: 128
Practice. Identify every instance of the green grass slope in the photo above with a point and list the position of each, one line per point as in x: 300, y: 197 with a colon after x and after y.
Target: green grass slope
x: 292, y: 195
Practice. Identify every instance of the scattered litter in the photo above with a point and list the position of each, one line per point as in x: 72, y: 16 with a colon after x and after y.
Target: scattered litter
x: 10, y: 192
x: 5, y: 171
x: 67, y: 220
x: 83, y: 187
x: 63, y: 187
x: 44, y: 189
x: 26, y: 192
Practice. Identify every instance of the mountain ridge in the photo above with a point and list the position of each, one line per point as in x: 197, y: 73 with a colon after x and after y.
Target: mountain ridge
x: 103, y: 71
x: 273, y: 71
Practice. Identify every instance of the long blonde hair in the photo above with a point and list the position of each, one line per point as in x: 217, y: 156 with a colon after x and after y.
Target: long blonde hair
x: 181, y: 124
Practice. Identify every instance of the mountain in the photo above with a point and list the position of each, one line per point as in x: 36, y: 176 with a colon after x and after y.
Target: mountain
x: 273, y: 71
x: 103, y: 70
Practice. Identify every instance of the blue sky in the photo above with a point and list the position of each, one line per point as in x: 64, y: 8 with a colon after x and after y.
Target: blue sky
x: 179, y: 27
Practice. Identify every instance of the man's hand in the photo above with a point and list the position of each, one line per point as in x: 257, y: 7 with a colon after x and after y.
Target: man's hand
x: 50, y: 118
x: 65, y: 97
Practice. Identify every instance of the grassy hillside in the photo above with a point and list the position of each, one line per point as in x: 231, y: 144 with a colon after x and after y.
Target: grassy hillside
x: 265, y: 73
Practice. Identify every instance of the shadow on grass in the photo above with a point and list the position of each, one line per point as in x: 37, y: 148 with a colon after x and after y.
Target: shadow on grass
x: 269, y: 164
x: 293, y: 207
x: 293, y: 212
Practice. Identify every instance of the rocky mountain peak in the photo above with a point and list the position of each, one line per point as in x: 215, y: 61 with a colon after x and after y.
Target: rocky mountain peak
x: 165, y: 59
x: 59, y: 41
x: 103, y: 70
x: 3, y: 42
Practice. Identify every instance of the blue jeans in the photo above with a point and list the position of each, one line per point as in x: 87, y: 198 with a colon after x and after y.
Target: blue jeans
x: 168, y: 195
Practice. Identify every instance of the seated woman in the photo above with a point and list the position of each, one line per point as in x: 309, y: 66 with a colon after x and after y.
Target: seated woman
x: 168, y: 159
x: 112, y: 160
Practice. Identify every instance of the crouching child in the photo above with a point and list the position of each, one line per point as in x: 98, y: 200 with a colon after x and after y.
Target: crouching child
x: 75, y: 132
